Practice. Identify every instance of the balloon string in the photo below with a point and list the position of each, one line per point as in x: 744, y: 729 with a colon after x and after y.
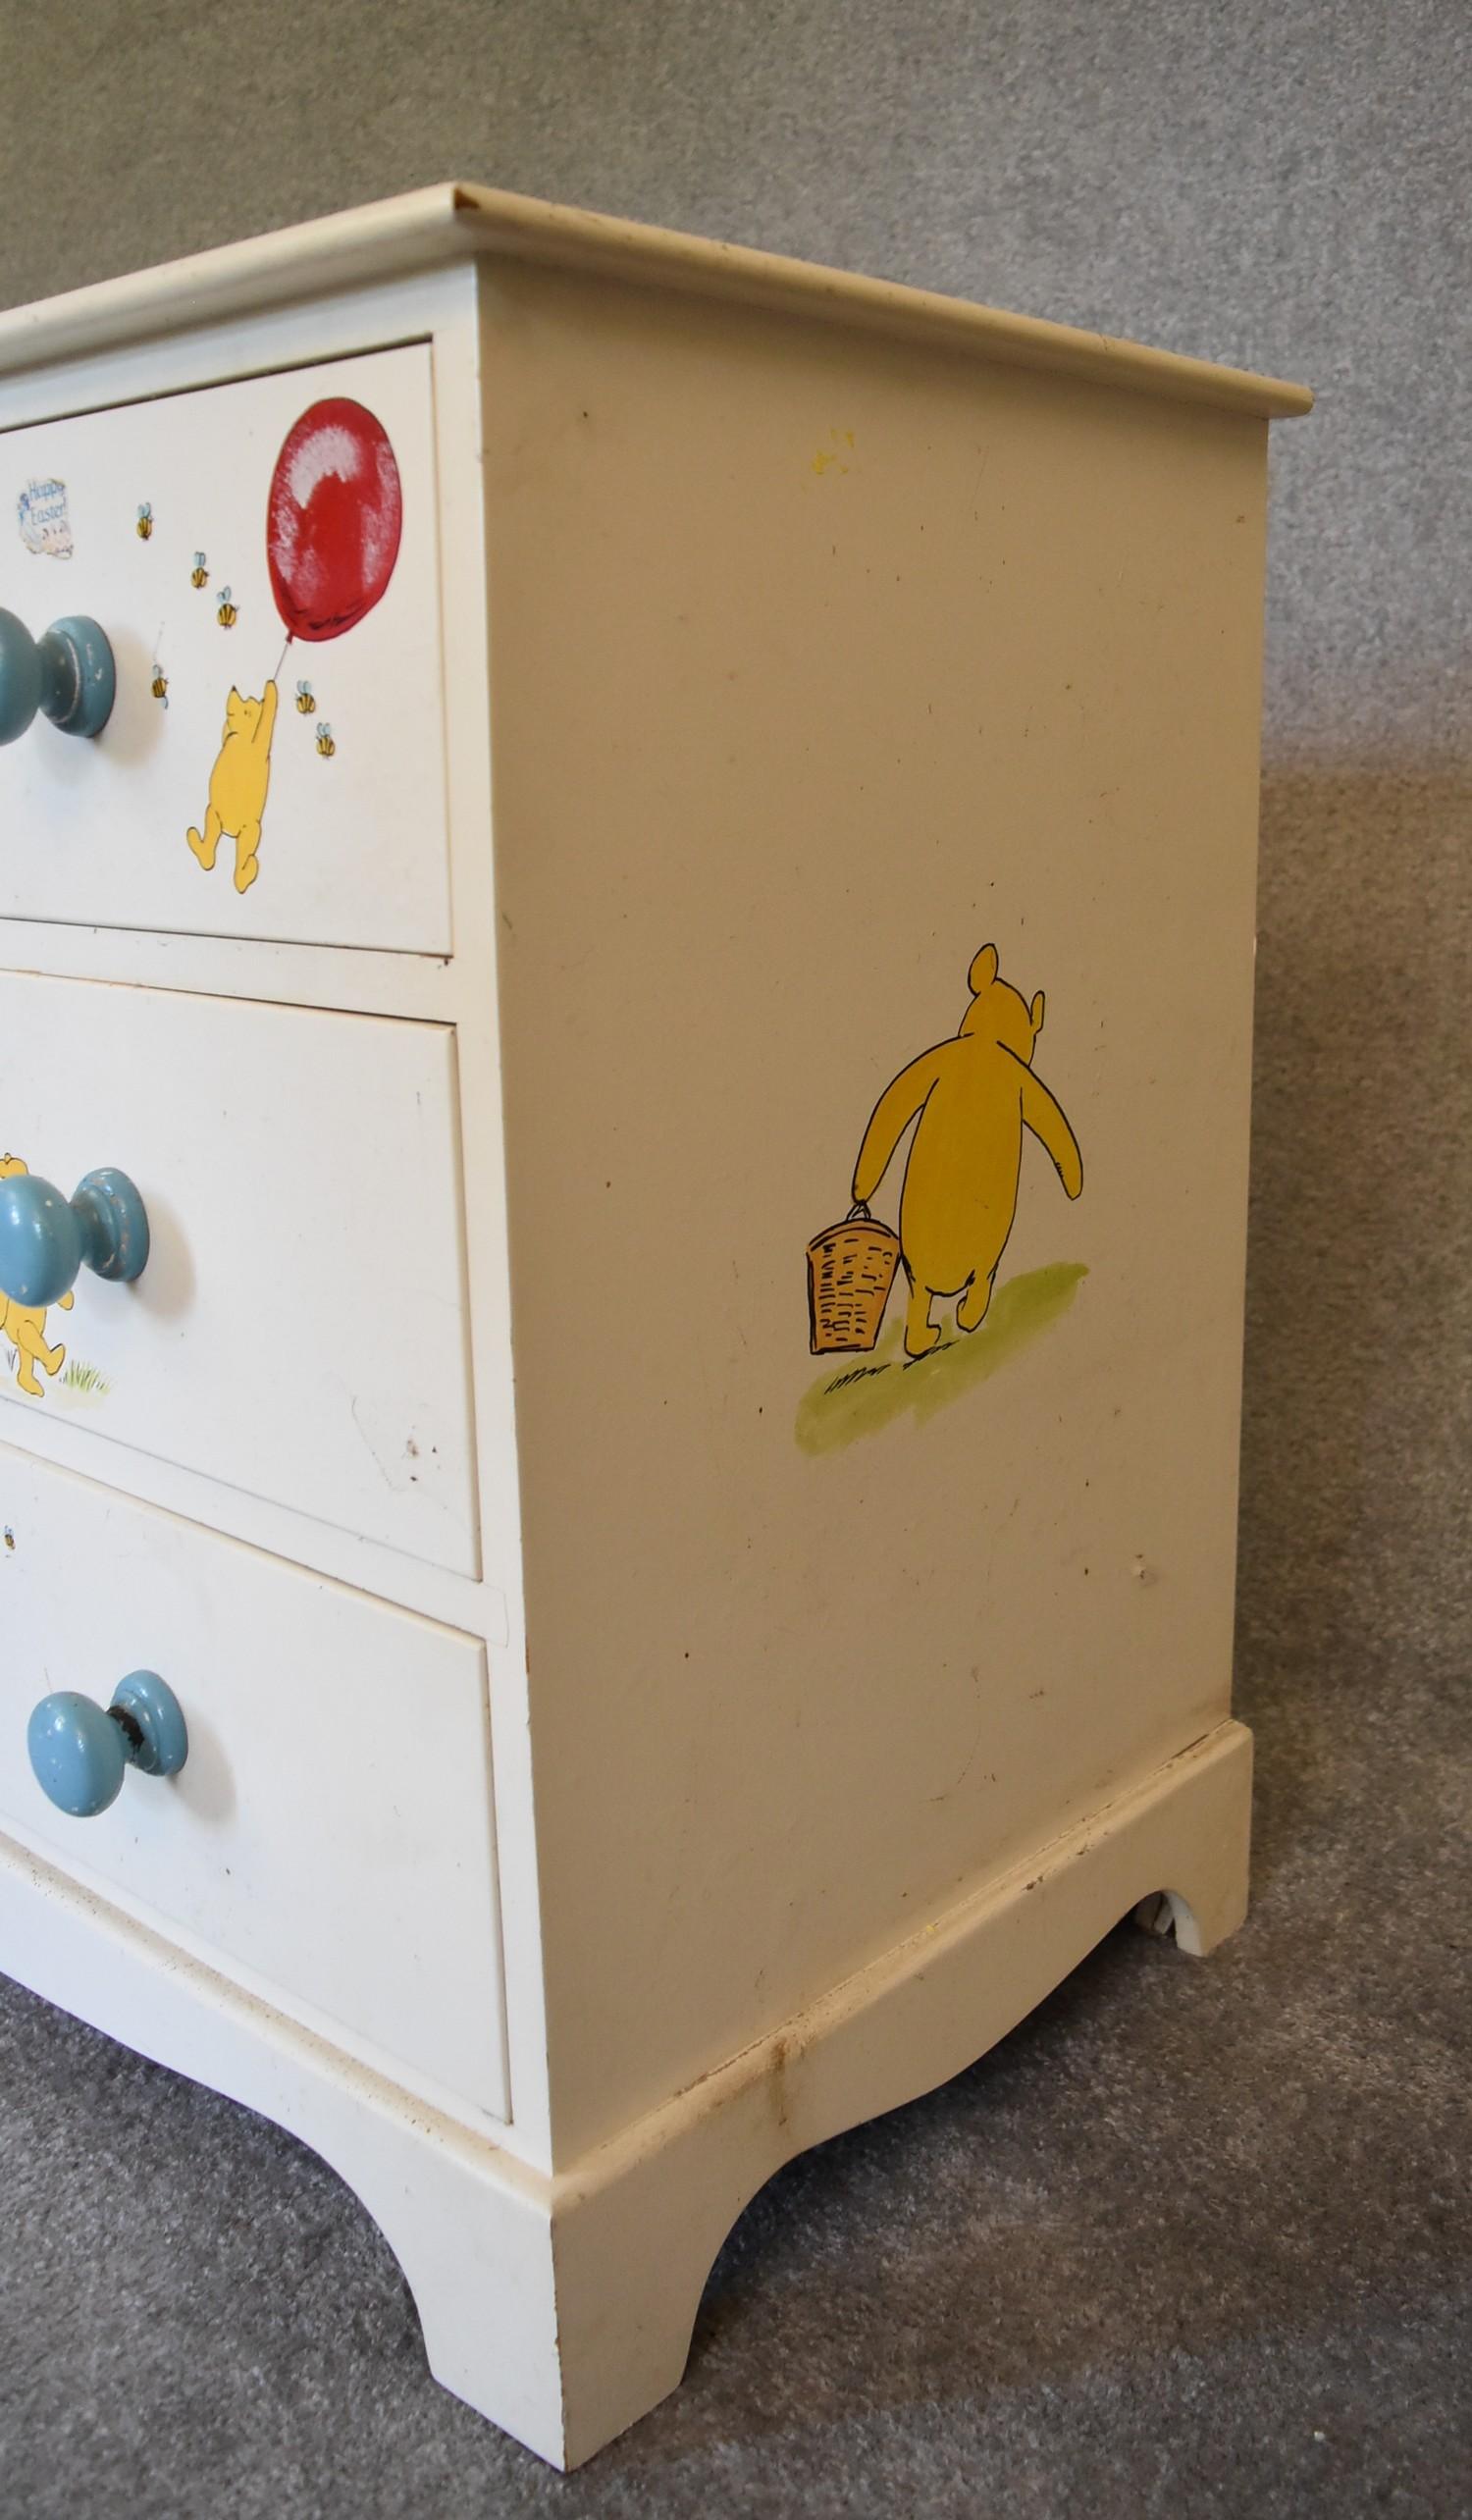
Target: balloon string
x: 282, y: 658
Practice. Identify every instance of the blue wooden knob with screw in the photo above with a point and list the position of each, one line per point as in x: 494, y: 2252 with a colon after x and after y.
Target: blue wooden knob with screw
x: 68, y: 674
x: 81, y: 1751
x: 45, y: 1238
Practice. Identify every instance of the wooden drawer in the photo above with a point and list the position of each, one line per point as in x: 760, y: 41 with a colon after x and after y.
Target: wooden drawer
x: 97, y: 831
x: 329, y: 1840
x: 300, y: 1331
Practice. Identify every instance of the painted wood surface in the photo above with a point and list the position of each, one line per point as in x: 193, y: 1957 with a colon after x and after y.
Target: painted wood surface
x: 155, y: 517
x: 862, y: 686
x: 819, y: 668
x: 328, y: 1837
x: 300, y: 1331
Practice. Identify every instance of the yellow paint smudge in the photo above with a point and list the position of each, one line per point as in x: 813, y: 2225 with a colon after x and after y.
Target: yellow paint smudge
x: 828, y: 458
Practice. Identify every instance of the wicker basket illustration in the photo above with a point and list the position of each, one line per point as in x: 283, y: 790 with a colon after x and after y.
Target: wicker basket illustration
x: 850, y: 1271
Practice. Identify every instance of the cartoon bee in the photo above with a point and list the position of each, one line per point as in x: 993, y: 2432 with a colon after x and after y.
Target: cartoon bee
x: 227, y: 611
x: 160, y: 684
x: 324, y: 745
x: 306, y: 700
x: 199, y: 575
x: 146, y: 522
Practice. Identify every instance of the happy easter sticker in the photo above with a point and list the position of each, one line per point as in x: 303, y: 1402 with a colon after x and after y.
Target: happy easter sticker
x: 44, y: 520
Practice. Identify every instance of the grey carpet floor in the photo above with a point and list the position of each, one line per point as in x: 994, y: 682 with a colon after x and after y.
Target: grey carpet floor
x: 1196, y: 2239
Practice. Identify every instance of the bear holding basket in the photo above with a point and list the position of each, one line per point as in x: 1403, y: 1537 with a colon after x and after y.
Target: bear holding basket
x: 972, y: 1097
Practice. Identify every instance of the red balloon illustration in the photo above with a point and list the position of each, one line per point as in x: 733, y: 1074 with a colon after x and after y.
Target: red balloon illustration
x: 334, y: 519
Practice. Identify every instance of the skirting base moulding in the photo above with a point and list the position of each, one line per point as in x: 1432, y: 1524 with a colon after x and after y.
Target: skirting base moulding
x: 563, y: 2307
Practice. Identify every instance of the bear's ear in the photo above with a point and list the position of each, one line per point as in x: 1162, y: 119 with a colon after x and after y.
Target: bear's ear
x: 1035, y: 1012
x: 983, y: 970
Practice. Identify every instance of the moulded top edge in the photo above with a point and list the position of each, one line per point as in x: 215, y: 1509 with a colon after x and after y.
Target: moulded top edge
x: 449, y: 222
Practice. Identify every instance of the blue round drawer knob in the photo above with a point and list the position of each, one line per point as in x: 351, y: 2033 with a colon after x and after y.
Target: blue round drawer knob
x: 45, y: 1238
x: 82, y: 1751
x: 68, y: 674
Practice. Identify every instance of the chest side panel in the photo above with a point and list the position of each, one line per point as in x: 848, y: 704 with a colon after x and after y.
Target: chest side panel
x: 822, y: 667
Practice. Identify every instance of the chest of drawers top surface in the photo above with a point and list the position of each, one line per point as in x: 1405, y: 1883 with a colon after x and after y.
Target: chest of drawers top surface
x: 451, y: 223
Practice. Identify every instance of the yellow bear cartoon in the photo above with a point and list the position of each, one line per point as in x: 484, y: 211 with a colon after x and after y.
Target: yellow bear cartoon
x: 25, y: 1325
x: 974, y: 1096
x: 237, y: 785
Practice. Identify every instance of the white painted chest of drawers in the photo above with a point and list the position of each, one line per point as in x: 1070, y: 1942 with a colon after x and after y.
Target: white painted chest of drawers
x: 619, y: 749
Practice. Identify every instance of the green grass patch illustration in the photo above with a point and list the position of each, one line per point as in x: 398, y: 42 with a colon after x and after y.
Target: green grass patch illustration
x: 859, y: 1396
x: 88, y: 1381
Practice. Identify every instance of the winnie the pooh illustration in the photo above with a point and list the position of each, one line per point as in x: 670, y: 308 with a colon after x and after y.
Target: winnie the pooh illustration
x: 237, y: 785
x: 974, y: 1095
x: 25, y: 1325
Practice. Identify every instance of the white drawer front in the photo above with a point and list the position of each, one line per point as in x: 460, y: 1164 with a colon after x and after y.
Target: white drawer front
x: 328, y: 1839
x: 353, y: 847
x: 300, y: 1331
